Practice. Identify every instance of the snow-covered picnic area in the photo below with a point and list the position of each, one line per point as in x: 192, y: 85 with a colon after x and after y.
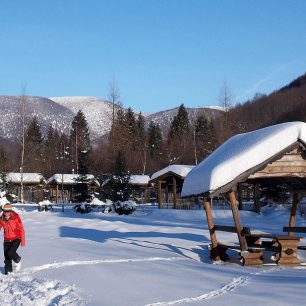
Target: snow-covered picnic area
x: 151, y: 257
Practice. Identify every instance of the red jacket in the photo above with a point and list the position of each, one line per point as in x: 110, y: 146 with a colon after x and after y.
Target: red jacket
x: 13, y: 228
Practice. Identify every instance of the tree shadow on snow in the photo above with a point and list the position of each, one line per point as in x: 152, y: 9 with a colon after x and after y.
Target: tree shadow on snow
x: 142, y: 219
x: 132, y: 238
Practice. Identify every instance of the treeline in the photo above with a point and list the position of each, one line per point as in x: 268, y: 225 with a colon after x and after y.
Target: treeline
x: 143, y: 149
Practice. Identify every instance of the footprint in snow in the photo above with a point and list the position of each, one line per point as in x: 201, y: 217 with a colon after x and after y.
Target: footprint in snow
x: 21, y: 289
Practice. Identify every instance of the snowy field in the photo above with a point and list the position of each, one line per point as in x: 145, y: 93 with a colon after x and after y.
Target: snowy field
x: 153, y: 257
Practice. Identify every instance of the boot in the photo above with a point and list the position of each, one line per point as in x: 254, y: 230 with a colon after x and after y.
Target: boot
x: 8, y: 267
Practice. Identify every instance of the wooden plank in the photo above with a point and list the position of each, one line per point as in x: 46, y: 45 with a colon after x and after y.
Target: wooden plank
x: 295, y: 163
x: 228, y: 246
x: 210, y: 221
x: 231, y: 229
x: 285, y: 169
x: 238, y: 224
x: 276, y: 174
x: 274, y: 236
x: 294, y: 229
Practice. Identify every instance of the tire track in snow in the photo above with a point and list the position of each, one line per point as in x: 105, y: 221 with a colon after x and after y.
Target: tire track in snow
x: 234, y: 284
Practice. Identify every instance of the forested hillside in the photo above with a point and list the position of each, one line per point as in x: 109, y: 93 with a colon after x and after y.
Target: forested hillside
x: 286, y: 104
x: 186, y: 136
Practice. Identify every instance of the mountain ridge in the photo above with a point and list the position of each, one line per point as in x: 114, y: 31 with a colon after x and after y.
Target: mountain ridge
x: 60, y: 111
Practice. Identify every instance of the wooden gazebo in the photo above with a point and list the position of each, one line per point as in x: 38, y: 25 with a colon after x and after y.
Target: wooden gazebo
x: 141, y: 187
x: 273, y: 155
x: 170, y: 180
x: 61, y: 185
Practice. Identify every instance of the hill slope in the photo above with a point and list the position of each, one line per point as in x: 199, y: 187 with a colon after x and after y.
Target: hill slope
x: 47, y: 112
x: 97, y: 112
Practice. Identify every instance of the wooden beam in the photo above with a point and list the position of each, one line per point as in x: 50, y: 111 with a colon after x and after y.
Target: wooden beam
x: 159, y: 200
x: 240, y: 196
x: 293, y: 212
x: 238, y: 224
x: 257, y: 198
x: 174, y: 192
x: 210, y: 222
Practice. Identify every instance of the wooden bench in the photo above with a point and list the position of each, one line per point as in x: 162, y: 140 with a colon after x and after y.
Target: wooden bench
x: 296, y: 229
x: 284, y: 246
x: 252, y: 256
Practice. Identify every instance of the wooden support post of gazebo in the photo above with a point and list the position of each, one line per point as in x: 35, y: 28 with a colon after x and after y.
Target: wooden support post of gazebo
x: 210, y: 221
x: 293, y: 211
x: 174, y: 192
x: 238, y: 224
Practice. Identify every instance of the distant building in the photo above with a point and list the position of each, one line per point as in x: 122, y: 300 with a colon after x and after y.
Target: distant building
x: 61, y: 186
x: 33, y: 185
x: 168, y: 184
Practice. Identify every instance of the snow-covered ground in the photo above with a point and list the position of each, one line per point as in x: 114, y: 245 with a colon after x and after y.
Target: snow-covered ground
x: 152, y: 257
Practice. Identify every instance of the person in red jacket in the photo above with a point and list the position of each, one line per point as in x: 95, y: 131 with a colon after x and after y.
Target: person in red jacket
x: 14, y: 235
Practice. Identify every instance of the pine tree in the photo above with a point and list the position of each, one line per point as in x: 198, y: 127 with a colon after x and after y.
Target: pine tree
x: 79, y: 139
x: 51, y: 151
x: 131, y: 124
x: 33, y: 150
x: 204, y: 137
x: 155, y: 140
x: 81, y: 189
x: 140, y: 144
x: 179, y: 136
x: 118, y: 186
x: 118, y: 136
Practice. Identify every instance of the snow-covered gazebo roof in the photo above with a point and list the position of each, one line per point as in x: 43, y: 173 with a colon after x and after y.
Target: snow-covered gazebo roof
x: 178, y: 170
x: 241, y: 156
x: 69, y: 179
x: 27, y: 178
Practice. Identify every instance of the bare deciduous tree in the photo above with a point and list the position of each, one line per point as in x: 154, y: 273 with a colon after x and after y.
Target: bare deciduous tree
x: 114, y: 98
x: 226, y: 102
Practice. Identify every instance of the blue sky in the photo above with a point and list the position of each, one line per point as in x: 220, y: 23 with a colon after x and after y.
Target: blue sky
x: 160, y: 53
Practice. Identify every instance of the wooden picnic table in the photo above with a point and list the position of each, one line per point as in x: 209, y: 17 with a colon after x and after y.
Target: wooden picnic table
x: 284, y: 246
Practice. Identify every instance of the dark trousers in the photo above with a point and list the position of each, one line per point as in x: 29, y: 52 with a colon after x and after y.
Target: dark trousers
x: 10, y: 254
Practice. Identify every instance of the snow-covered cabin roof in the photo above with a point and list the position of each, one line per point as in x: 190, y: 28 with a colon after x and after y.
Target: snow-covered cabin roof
x: 241, y: 156
x: 139, y: 180
x: 69, y: 179
x: 179, y: 170
x: 27, y: 178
